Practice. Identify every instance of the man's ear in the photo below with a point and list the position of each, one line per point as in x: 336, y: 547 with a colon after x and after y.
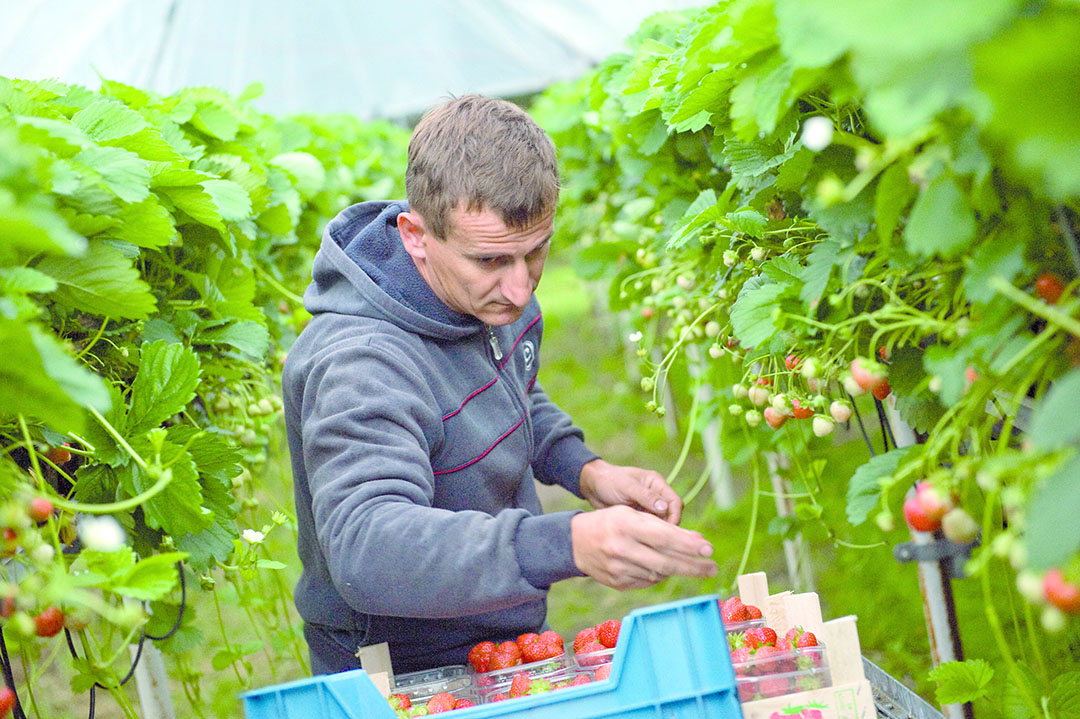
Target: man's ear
x: 413, y: 235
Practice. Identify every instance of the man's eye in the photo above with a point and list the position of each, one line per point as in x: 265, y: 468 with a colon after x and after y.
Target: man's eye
x: 488, y: 261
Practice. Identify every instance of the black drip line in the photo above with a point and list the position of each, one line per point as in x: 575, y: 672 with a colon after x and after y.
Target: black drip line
x: 5, y: 661
x: 858, y: 420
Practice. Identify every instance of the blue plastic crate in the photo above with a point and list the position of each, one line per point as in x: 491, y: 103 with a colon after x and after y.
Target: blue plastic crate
x: 671, y: 662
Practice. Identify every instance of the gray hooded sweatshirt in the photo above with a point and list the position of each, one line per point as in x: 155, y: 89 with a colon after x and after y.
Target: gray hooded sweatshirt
x: 415, y: 434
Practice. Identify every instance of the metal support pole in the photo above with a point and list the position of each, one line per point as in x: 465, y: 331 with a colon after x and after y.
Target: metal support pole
x: 935, y: 581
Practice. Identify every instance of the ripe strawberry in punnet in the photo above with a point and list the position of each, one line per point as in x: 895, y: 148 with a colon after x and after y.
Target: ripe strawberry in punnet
x: 759, y: 637
x: 602, y: 672
x: 399, y: 701
x: 773, y: 686
x: 867, y: 373
x: 552, y: 636
x: 587, y: 654
x: 740, y: 658
x: 480, y: 655
x: 504, y: 655
x: 500, y: 697
x: 752, y: 611
x: 520, y: 685
x: 584, y: 637
x: 767, y: 659
x: 1060, y: 592
x: 441, y: 702
x: 733, y: 611
x: 463, y: 703
x: 608, y: 632
x: 579, y: 680
x: 49, y: 622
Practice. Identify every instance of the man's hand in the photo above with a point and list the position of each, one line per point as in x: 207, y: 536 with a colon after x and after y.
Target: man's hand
x: 625, y: 548
x: 607, y: 485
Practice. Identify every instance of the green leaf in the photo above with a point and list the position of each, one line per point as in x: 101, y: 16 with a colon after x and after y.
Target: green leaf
x: 38, y: 229
x: 249, y: 337
x: 746, y: 221
x: 997, y: 256
x: 962, y: 682
x: 1053, y: 535
x: 1065, y: 694
x: 28, y: 387
x: 106, y: 565
x: 894, y: 191
x: 1048, y: 431
x: 784, y: 270
x: 165, y: 383
x: 102, y: 282
x: 216, y: 121
x: 123, y: 172
x: 819, y: 265
x: 80, y: 384
x: 144, y: 224
x: 57, y: 136
x: 108, y: 120
x: 177, y: 509
x: 231, y: 200
x: 270, y: 564
x: 752, y: 314
x: 306, y: 172
x: 24, y: 280
x: 864, y: 487
x: 196, y: 202
x: 920, y: 410
x: 942, y: 221
x: 151, y: 579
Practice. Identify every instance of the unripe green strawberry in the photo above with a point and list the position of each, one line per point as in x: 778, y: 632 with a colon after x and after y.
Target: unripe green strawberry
x: 840, y: 411
x: 958, y: 526
x: 823, y: 426
x: 753, y: 418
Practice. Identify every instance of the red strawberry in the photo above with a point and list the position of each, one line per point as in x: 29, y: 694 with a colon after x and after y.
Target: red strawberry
x: 586, y: 656
x: 539, y: 650
x: 504, y: 655
x: 732, y: 611
x: 740, y: 659
x: 883, y: 390
x: 7, y: 701
x: 480, y: 655
x: 463, y: 703
x: 579, y: 680
x: 49, y: 622
x: 527, y: 638
x: 759, y: 637
x: 1049, y: 287
x: 773, y: 686
x: 40, y: 509
x: 792, y: 362
x: 520, y: 685
x: 746, y: 691
x: 752, y: 611
x: 790, y: 637
x: 441, y: 702
x: 584, y: 637
x: 1060, y: 592
x: 602, y: 672
x: 500, y: 697
x: 608, y: 632
x: 766, y: 659
x: 59, y: 455
x: 775, y: 419
x: 552, y: 636
x: 806, y: 639
x: 798, y: 411
x: 917, y: 518
x: 867, y: 373
x: 399, y: 701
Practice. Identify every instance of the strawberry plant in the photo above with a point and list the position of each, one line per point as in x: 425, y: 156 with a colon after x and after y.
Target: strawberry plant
x: 760, y: 177
x: 152, y: 254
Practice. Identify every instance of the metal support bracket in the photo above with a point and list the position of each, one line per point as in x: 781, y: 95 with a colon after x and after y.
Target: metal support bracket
x: 937, y: 550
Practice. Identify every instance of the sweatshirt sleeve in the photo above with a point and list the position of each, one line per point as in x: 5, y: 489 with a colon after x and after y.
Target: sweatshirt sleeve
x: 560, y: 445
x: 368, y: 423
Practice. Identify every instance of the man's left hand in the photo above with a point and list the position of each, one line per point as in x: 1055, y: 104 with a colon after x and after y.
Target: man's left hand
x: 605, y: 485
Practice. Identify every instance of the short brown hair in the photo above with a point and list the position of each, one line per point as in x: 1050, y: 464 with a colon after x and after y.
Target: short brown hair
x: 484, y: 154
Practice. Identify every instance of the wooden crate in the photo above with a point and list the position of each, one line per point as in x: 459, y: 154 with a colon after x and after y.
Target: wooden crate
x: 850, y: 696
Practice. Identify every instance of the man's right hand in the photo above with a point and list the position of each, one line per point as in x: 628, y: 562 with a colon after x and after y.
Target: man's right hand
x: 625, y: 548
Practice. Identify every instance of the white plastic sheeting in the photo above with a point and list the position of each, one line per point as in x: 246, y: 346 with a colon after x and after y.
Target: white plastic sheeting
x: 388, y: 58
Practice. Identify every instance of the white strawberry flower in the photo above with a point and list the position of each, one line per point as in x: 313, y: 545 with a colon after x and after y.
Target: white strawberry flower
x: 103, y: 534
x: 635, y: 337
x: 817, y: 133
x: 252, y: 536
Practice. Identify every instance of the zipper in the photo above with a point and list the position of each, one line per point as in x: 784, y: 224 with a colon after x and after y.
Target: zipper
x: 494, y: 342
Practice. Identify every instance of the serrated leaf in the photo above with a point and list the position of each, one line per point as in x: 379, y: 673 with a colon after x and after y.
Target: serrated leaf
x: 961, y: 682
x: 1053, y: 535
x: 23, y: 280
x: 864, y: 487
x: 108, y: 120
x: 746, y: 221
x: 752, y: 314
x: 144, y: 224
x: 942, y: 221
x: 749, y: 161
x: 34, y: 230
x: 57, y: 136
x: 819, y: 265
x: 215, y: 120
x: 165, y: 383
x: 196, y: 203
x: 996, y: 257
x: 783, y: 269
x: 105, y: 565
x: 710, y: 96
x: 150, y: 579
x: 176, y: 509
x: 249, y: 337
x: 231, y: 200
x: 1065, y: 694
x: 102, y: 282
x: 123, y: 172
x: 307, y: 173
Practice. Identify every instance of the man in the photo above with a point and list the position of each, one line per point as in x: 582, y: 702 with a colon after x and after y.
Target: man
x: 416, y: 425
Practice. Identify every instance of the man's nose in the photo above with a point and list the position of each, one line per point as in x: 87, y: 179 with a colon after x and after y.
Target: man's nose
x: 517, y: 284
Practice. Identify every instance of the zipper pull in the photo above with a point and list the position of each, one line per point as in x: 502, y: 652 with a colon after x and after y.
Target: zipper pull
x: 494, y: 342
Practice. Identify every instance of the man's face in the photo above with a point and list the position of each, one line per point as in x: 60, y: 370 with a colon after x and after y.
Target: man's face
x: 482, y: 268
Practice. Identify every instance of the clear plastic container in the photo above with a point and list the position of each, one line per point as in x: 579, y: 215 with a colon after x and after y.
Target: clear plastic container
x: 588, y: 660
x: 782, y: 673
x: 421, y: 686
x: 498, y: 681
x: 743, y: 626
